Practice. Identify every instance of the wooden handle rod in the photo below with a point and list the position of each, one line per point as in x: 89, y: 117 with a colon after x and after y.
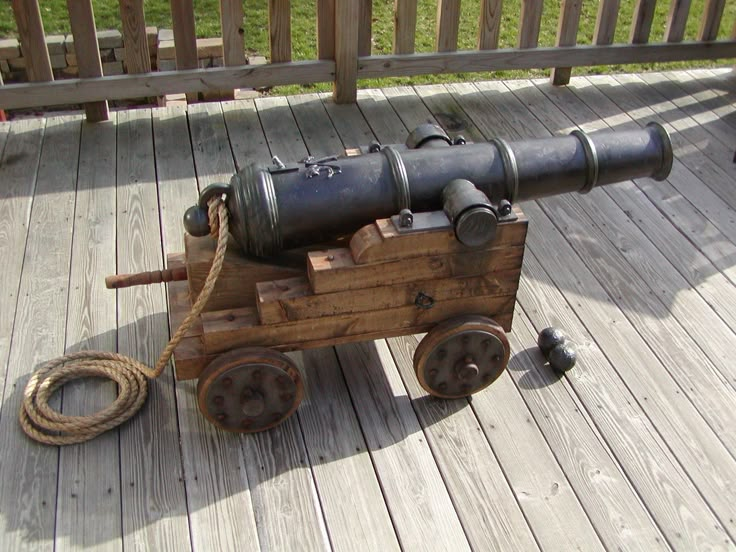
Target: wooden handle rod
x: 117, y: 281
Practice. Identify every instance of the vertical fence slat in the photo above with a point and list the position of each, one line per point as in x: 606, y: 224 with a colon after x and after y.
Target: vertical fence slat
x: 185, y: 38
x: 137, y: 56
x: 279, y: 24
x: 531, y: 19
x: 32, y: 40
x: 346, y: 50
x: 365, y: 27
x: 405, y: 18
x: 326, y: 29
x: 567, y: 35
x: 82, y: 21
x: 711, y: 19
x: 641, y: 26
x: 605, y: 23
x: 3, y: 117
x: 677, y: 20
x: 185, y: 35
x: 448, y: 21
x: 490, y: 24
x: 231, y: 23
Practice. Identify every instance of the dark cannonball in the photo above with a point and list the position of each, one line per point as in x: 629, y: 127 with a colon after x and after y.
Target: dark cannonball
x: 548, y: 339
x: 196, y: 221
x: 562, y: 358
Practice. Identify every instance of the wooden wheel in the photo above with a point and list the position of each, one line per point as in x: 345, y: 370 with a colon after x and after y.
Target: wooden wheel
x: 461, y: 356
x: 250, y: 389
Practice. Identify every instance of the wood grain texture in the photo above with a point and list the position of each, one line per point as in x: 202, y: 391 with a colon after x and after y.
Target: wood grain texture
x: 32, y: 39
x: 677, y: 20
x: 711, y: 19
x: 218, y: 491
x: 641, y: 26
x: 489, y: 24
x: 529, y: 23
x: 137, y: 56
x: 185, y: 35
x: 410, y: 479
x: 708, y: 158
x: 487, y: 60
x: 365, y: 27
x: 82, y: 21
x: 347, y: 14
x: 152, y: 478
x: 446, y: 29
x: 88, y: 509
x: 326, y: 29
x: 38, y: 330
x: 567, y: 35
x: 577, y: 278
x: 166, y: 82
x: 279, y: 25
x: 487, y: 508
x: 18, y: 168
x: 605, y: 23
x: 709, y: 119
x: 405, y: 24
x: 233, y: 34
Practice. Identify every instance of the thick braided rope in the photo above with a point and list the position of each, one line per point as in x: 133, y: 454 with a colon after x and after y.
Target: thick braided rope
x: 43, y: 424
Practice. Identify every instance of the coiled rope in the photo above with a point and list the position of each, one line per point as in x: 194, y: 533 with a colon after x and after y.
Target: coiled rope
x: 45, y: 425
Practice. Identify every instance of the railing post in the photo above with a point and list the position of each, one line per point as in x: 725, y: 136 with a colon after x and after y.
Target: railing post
x: 605, y: 23
x: 531, y: 19
x: 32, y: 40
x: 490, y: 24
x: 641, y: 27
x: 137, y: 57
x: 231, y: 23
x: 405, y: 16
x: 567, y: 33
x: 279, y: 27
x: 185, y: 38
x: 82, y: 21
x: 677, y: 20
x: 448, y: 21
x: 347, y: 13
x: 326, y: 29
x: 711, y: 19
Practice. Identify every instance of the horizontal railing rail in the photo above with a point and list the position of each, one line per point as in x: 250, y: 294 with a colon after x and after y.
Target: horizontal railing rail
x: 344, y: 48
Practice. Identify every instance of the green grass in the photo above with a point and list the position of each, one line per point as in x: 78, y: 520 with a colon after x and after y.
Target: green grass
x: 304, y: 43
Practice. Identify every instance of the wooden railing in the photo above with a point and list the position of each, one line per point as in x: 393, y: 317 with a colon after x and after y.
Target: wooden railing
x: 344, y: 48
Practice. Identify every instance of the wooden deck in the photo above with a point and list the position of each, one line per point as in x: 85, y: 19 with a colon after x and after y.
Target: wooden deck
x: 634, y: 449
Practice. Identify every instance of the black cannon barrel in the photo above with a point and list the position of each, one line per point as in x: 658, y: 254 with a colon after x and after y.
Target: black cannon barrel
x: 285, y: 206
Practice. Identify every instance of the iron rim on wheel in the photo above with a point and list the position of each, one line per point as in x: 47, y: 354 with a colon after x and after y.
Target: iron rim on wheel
x: 249, y: 390
x: 461, y: 356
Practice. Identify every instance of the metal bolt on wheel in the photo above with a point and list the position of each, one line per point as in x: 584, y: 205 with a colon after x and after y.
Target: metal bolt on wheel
x: 461, y: 356
x: 250, y: 389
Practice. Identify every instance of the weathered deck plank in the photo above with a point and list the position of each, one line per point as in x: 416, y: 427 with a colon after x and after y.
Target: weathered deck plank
x: 218, y: 495
x: 338, y: 451
x: 85, y: 517
x: 635, y: 448
x: 30, y: 470
x: 152, y: 479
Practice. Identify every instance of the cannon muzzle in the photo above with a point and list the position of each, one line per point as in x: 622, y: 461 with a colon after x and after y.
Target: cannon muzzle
x: 283, y: 206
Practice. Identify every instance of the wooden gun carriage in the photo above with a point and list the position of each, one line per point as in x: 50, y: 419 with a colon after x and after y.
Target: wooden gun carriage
x: 451, y: 268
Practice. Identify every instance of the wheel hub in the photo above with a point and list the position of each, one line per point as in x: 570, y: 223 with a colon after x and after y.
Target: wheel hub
x: 249, y: 393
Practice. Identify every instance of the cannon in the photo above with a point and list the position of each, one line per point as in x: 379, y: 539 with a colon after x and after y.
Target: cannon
x: 381, y: 241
